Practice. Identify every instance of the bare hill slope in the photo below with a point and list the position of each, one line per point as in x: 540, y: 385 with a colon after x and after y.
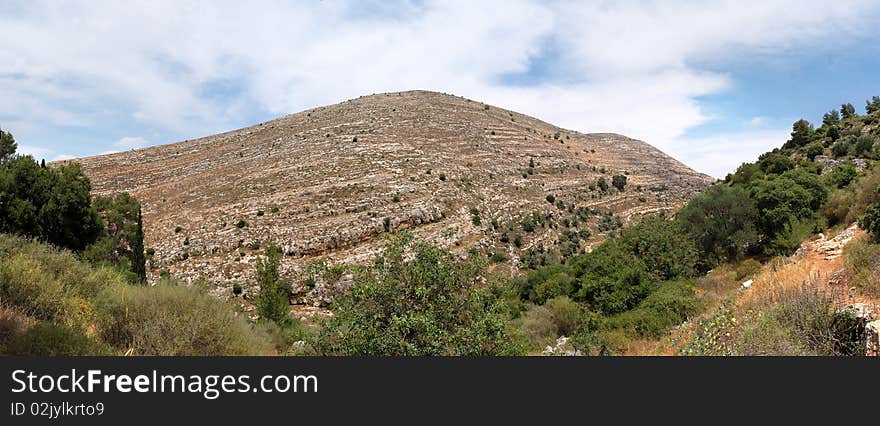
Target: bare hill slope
x: 326, y: 183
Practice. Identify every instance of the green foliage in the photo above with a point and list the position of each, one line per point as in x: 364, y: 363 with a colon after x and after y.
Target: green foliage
x: 775, y: 163
x: 49, y: 339
x: 53, y: 204
x: 429, y: 305
x: 814, y: 149
x: 272, y: 301
x: 786, y: 199
x: 669, y: 305
x: 847, y: 111
x: 546, y: 283
x: 551, y: 199
x: 862, y: 262
x: 870, y: 221
x: 612, y: 280
x: 121, y: 243
x: 7, y: 145
x: 721, y: 222
x: 475, y: 216
x: 802, y: 133
x: 619, y: 182
x: 54, y: 287
x: 603, y: 186
x: 872, y: 105
x: 841, y: 176
x: 663, y: 246
x: 241, y: 224
x: 843, y: 147
x: 173, y: 320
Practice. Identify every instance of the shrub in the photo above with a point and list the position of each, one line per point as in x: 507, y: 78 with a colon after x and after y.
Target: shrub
x: 551, y: 199
x: 177, y: 229
x: 870, y: 221
x: 424, y: 306
x: 49, y: 339
x: 619, y: 182
x: 566, y: 315
x: 862, y: 263
x: 443, y: 177
x: 240, y: 224
x: 841, y: 176
x: 172, y: 320
x: 260, y: 213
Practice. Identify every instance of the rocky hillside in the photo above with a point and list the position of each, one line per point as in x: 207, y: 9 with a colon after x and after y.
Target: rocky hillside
x: 326, y: 183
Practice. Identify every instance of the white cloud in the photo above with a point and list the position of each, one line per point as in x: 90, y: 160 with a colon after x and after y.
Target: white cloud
x: 34, y: 151
x: 722, y: 154
x: 62, y: 157
x: 130, y: 142
x: 627, y: 67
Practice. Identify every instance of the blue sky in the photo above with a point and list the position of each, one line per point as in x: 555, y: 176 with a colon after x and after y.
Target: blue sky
x: 712, y: 83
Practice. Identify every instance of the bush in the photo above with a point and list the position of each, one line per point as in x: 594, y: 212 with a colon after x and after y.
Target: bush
x: 841, y: 176
x: 551, y: 199
x: 424, y: 306
x: 566, y: 315
x: 49, y: 339
x: 862, y: 263
x: 172, y: 320
x: 870, y: 221
x: 240, y: 224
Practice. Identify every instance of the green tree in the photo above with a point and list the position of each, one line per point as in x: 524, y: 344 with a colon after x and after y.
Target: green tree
x: 870, y: 221
x: 272, y: 302
x: 619, y: 182
x: 784, y: 200
x: 872, y: 105
x: 121, y: 243
x: 603, y: 186
x: 831, y: 118
x: 802, y: 133
x: 432, y: 304
x: 52, y: 204
x: 847, y: 111
x: 775, y: 163
x: 722, y: 222
x: 7, y: 145
x: 663, y: 246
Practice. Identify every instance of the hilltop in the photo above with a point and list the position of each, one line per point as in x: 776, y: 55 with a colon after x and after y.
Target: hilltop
x: 325, y: 184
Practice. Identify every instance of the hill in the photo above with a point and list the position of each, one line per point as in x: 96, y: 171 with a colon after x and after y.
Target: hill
x: 326, y: 183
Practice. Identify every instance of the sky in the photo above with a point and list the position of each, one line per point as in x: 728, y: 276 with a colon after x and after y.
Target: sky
x: 712, y: 83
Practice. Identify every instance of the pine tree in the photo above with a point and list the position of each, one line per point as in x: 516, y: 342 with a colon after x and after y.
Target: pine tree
x: 138, y: 260
x: 7, y: 145
x: 847, y: 111
x: 272, y: 301
x: 873, y: 105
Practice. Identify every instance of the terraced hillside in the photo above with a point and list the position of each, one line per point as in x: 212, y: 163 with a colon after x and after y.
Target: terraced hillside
x: 325, y: 184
